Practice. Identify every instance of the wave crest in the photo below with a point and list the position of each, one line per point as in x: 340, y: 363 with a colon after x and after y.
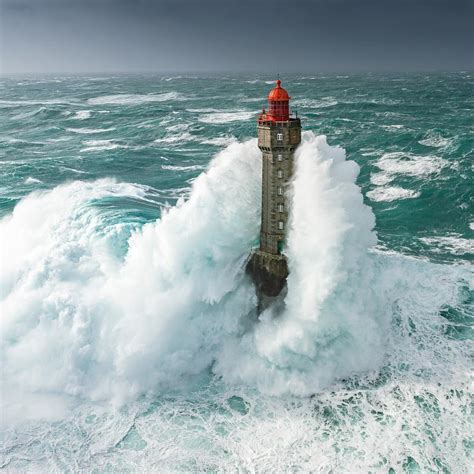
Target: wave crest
x: 95, y: 307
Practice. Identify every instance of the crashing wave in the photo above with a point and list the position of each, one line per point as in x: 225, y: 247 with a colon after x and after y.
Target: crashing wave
x: 96, y: 308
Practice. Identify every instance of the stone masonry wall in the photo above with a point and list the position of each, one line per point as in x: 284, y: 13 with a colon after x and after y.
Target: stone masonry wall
x: 277, y: 141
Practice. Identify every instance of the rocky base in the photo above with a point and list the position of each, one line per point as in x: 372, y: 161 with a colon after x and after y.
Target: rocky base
x: 269, y: 273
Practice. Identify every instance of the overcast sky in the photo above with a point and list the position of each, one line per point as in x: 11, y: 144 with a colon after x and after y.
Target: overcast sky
x: 43, y: 36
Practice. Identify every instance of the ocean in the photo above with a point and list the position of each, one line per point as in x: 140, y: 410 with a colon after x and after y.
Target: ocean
x: 130, y: 340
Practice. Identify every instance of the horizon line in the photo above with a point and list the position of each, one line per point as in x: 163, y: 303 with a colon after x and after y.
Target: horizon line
x: 230, y: 72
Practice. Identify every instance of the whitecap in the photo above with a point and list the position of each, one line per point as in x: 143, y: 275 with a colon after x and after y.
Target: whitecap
x: 179, y: 127
x: 173, y: 78
x: 74, y: 170
x: 14, y: 103
x: 101, y: 78
x: 81, y: 115
x: 203, y: 110
x: 100, y: 145
x: 183, y: 168
x: 220, y: 141
x: 323, y: 103
x: 133, y: 99
x: 31, y: 114
x: 370, y: 152
x: 58, y: 140
x: 435, y: 140
x: 227, y: 117
x: 393, y: 128
x: 31, y: 180
x: 453, y: 244
x: 392, y: 193
x: 250, y: 99
x: 178, y: 138
x: 409, y: 164
x: 11, y: 140
x: 381, y: 178
x: 89, y: 131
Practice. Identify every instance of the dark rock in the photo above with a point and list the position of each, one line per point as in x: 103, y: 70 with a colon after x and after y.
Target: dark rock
x: 269, y: 273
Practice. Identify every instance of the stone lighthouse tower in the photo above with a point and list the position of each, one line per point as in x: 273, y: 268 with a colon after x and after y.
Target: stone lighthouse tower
x: 278, y: 136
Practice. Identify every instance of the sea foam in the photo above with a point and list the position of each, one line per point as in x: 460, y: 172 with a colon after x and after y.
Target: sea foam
x: 64, y: 288
x: 392, y: 193
x: 409, y: 164
x: 133, y: 99
x: 454, y: 244
x: 90, y: 131
x: 81, y: 320
x: 318, y: 337
x: 100, y: 145
x: 220, y: 141
x: 175, y: 138
x: 72, y: 309
x: 82, y: 115
x: 226, y: 117
x: 98, y: 308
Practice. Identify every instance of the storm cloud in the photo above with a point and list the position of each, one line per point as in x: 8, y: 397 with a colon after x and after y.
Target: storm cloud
x: 76, y: 36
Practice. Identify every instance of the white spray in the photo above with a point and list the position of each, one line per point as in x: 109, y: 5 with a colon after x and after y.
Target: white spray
x: 332, y: 324
x: 80, y: 320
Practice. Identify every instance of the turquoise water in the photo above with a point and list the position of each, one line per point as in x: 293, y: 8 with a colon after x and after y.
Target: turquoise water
x: 129, y: 337
x: 157, y: 123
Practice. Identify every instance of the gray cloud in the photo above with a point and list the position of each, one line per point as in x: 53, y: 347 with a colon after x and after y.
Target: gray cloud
x: 234, y: 35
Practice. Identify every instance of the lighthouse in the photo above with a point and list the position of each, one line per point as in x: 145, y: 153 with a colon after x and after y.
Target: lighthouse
x: 278, y: 136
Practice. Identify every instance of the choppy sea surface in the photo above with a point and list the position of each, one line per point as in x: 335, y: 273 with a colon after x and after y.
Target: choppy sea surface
x: 128, y: 207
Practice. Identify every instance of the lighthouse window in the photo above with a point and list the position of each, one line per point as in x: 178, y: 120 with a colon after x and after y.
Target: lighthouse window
x: 280, y: 225
x: 280, y: 191
x: 280, y: 207
x: 280, y: 173
x: 280, y: 158
x: 279, y: 136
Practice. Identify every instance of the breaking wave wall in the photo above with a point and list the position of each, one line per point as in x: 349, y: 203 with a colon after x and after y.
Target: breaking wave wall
x: 97, y: 309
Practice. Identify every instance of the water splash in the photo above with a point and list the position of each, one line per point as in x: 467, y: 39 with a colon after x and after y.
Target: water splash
x: 331, y: 326
x: 95, y: 308
x: 80, y: 321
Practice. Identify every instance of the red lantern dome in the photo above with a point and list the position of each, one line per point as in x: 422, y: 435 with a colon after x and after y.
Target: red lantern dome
x: 278, y: 93
x: 278, y: 104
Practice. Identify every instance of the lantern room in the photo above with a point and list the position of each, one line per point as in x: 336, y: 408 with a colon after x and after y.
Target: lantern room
x: 279, y: 105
